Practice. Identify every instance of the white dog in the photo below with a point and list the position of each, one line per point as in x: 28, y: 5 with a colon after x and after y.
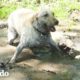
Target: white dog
x: 33, y: 28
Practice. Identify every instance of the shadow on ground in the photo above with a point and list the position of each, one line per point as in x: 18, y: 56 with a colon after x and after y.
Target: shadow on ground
x: 39, y: 66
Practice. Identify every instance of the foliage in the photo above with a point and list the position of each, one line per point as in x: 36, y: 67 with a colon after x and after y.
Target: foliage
x: 61, y: 8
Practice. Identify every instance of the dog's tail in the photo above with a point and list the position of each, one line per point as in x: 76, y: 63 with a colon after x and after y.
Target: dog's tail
x: 3, y: 24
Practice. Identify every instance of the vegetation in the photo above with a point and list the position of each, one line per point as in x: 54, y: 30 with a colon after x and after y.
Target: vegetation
x: 61, y: 8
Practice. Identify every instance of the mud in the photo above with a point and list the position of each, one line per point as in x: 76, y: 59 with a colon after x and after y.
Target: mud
x: 40, y: 65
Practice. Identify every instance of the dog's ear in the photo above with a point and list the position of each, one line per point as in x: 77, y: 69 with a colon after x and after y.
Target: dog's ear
x: 35, y: 21
x: 40, y: 25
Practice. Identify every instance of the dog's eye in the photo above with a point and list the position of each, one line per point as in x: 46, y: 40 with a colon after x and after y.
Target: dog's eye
x: 46, y: 15
x: 44, y: 24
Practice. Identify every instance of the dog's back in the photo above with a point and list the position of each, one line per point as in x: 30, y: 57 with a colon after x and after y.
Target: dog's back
x: 19, y: 19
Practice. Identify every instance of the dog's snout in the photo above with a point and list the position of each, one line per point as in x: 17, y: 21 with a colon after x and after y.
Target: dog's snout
x: 52, y: 28
x: 56, y: 22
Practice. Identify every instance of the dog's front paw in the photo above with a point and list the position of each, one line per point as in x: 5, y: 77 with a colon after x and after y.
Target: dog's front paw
x: 12, y: 61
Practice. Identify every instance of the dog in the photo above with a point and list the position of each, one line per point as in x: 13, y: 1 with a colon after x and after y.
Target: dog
x: 33, y: 28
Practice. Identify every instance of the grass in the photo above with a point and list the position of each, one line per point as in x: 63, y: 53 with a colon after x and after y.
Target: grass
x: 61, y: 8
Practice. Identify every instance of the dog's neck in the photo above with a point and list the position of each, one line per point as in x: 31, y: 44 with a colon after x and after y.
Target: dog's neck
x: 42, y: 33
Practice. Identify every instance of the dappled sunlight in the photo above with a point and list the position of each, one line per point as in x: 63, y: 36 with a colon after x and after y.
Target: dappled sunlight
x: 42, y: 64
x: 7, y: 49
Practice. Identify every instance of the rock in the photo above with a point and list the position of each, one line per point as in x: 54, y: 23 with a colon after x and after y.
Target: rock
x: 60, y: 38
x: 2, y: 65
x: 66, y: 43
x: 3, y: 24
x: 75, y: 15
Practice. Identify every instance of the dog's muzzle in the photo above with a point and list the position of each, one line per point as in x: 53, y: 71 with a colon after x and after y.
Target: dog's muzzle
x: 52, y: 29
x: 56, y: 22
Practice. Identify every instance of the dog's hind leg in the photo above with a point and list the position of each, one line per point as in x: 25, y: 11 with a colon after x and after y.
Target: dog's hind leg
x: 12, y: 35
x: 22, y: 44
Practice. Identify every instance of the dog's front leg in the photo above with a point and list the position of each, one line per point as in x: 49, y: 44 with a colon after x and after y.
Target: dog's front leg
x: 18, y: 51
x: 54, y: 46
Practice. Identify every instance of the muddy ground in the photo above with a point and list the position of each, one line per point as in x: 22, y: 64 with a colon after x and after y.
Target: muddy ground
x: 40, y: 65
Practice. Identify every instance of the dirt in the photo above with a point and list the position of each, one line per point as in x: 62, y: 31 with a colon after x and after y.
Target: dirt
x: 40, y: 65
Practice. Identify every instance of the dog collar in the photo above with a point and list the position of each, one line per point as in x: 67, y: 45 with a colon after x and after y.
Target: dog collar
x: 42, y: 33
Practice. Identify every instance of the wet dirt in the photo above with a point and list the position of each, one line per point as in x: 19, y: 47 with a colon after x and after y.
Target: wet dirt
x: 40, y: 65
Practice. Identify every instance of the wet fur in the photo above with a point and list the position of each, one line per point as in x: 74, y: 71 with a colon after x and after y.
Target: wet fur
x: 32, y: 27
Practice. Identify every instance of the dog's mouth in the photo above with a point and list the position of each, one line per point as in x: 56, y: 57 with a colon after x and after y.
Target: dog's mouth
x: 52, y: 29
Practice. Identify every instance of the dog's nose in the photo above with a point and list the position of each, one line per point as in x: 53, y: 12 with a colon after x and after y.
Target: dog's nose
x: 56, y: 22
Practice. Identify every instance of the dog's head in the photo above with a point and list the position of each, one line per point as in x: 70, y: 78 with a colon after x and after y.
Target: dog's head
x: 45, y: 22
